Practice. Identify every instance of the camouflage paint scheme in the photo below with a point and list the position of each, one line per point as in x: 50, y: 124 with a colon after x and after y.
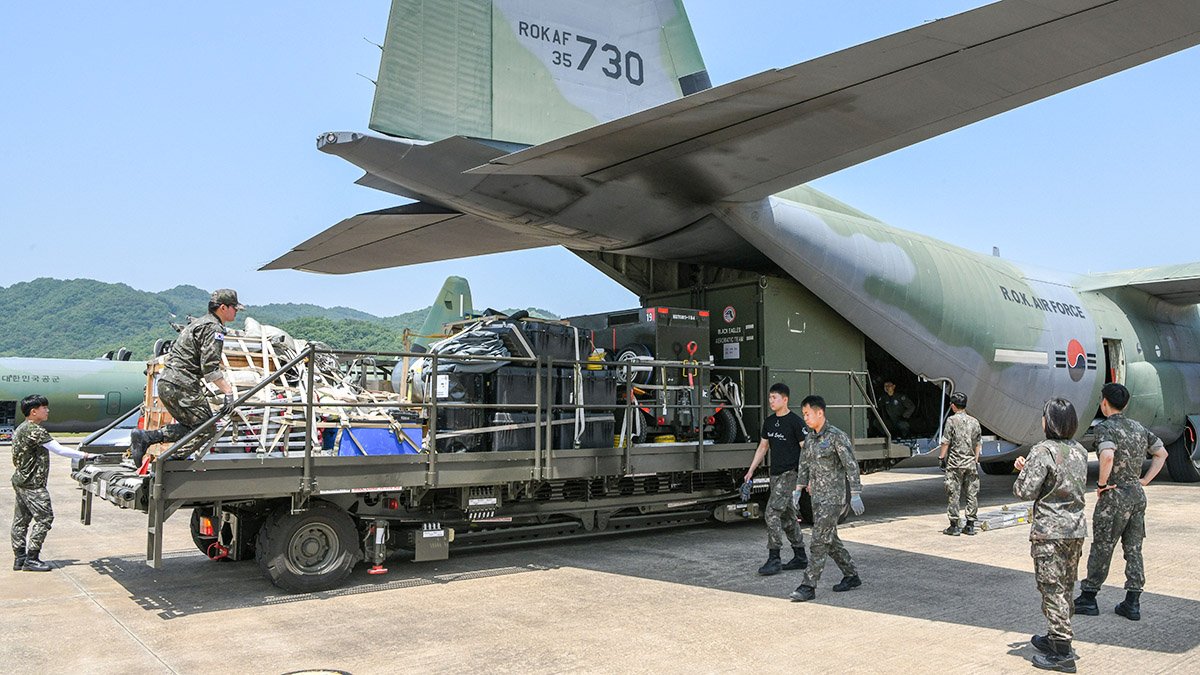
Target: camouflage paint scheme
x: 84, y: 394
x: 996, y: 335
x: 622, y: 167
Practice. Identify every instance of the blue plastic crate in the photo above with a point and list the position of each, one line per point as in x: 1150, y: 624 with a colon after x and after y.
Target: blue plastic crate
x: 356, y: 442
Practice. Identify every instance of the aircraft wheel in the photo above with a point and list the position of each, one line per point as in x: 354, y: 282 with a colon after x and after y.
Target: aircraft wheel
x: 1001, y: 468
x: 313, y: 550
x: 636, y: 437
x: 725, y: 427
x: 634, y: 353
x: 1183, y: 460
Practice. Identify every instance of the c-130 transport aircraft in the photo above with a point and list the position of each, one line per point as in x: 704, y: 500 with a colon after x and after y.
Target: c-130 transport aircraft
x: 516, y: 124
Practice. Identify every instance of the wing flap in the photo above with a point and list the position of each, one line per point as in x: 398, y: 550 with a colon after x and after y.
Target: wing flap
x: 1176, y: 284
x: 763, y: 134
x: 404, y: 235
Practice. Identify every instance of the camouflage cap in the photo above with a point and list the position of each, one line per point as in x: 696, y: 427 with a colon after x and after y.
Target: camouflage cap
x: 226, y: 296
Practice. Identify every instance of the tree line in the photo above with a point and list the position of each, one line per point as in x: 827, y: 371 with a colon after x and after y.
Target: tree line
x: 84, y: 318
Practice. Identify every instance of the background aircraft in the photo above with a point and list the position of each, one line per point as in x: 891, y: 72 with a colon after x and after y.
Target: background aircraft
x: 595, y: 128
x: 84, y: 394
x: 453, y: 303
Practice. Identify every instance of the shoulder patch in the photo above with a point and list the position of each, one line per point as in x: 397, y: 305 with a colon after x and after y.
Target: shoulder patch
x: 218, y: 336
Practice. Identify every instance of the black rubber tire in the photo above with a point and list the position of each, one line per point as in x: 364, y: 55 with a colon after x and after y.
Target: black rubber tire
x: 203, y: 543
x: 629, y: 352
x: 804, y: 510
x: 310, y: 551
x: 1001, y: 468
x: 635, y: 438
x: 725, y: 427
x: 1180, y: 465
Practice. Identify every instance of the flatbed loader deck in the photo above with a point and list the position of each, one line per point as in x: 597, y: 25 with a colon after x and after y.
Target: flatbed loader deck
x: 309, y: 517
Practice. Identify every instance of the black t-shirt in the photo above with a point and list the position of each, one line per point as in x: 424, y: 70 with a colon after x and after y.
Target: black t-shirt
x: 784, y: 436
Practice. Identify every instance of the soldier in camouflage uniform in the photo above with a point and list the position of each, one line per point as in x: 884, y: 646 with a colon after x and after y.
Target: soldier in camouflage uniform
x: 783, y: 434
x: 1121, y: 444
x: 194, y: 357
x: 960, y: 458
x: 827, y: 464
x: 1053, y: 475
x: 33, y: 514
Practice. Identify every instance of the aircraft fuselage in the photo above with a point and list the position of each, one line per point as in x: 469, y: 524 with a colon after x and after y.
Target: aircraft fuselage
x: 1008, y: 335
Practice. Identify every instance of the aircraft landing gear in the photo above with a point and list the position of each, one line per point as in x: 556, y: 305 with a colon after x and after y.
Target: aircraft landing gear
x: 1183, y: 459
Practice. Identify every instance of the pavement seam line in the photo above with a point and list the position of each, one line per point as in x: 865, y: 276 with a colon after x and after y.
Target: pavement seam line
x: 114, y: 618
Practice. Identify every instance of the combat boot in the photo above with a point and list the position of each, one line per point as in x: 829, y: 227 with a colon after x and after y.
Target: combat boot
x: 799, y: 560
x: 140, y: 441
x: 803, y: 593
x: 847, y: 583
x: 970, y: 527
x: 1086, y: 604
x: 18, y: 559
x: 953, y: 530
x: 33, y: 564
x: 773, y: 565
x: 1060, y: 657
x: 1130, y: 608
x: 1042, y: 643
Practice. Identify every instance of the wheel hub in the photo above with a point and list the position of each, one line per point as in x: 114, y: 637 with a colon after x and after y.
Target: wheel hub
x: 313, y: 549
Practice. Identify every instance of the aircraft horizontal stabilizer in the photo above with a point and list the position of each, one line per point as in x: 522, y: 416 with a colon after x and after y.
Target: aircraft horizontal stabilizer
x: 1176, y: 284
x: 760, y: 135
x: 403, y: 235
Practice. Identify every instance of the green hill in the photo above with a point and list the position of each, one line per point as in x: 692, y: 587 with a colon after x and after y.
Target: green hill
x: 83, y: 318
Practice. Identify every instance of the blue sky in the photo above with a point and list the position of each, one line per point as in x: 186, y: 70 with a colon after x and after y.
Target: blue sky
x: 157, y: 144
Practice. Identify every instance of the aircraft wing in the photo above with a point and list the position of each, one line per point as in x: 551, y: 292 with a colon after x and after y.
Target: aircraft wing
x: 781, y: 128
x: 414, y: 233
x: 1176, y: 284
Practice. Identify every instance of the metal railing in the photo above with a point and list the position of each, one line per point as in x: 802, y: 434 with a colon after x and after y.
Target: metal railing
x: 855, y: 381
x: 544, y: 410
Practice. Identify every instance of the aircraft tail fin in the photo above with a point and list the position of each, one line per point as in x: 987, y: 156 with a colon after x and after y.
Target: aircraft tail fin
x: 453, y: 302
x: 526, y: 71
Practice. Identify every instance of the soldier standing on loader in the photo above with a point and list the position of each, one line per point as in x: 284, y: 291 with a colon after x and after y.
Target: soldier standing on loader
x: 960, y: 458
x: 784, y: 434
x: 195, y: 357
x: 1122, y: 445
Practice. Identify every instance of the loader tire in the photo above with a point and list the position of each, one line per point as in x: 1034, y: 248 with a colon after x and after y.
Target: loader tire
x: 313, y: 550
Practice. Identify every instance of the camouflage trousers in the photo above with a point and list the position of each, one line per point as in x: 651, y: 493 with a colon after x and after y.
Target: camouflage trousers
x: 189, y: 407
x: 1120, y: 514
x: 958, y: 482
x: 826, y: 543
x: 781, y: 512
x: 33, y: 515
x: 1055, y: 568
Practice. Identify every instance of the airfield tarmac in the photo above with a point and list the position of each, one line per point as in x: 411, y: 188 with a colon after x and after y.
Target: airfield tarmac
x: 675, y: 601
